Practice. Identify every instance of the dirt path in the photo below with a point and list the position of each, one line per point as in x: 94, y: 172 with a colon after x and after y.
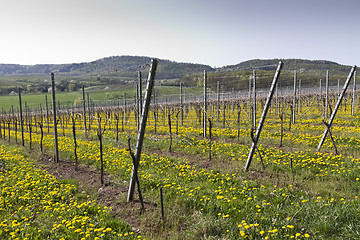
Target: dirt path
x: 111, y: 194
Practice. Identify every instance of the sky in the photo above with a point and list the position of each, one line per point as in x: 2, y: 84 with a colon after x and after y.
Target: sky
x: 213, y: 32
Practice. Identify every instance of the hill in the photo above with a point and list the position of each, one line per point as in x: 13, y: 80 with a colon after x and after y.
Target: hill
x: 117, y: 71
x: 301, y: 65
x: 236, y: 77
x: 111, y: 72
x: 125, y: 66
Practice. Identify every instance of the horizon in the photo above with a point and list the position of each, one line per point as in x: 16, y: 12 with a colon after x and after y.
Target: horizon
x: 204, y: 31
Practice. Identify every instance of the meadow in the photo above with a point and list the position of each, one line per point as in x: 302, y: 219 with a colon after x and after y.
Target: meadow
x: 301, y: 194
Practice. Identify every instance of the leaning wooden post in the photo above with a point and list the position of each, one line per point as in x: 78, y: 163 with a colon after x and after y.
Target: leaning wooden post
x: 263, y: 116
x: 21, y: 120
x: 84, y: 110
x: 333, y: 114
x: 141, y: 133
x: 205, y: 103
x: 353, y: 96
x: 54, y: 118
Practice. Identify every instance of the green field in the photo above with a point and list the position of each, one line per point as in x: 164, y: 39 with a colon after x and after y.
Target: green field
x: 96, y: 94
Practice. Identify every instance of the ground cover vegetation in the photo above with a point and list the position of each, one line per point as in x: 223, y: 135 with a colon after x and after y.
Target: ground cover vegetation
x: 302, y: 193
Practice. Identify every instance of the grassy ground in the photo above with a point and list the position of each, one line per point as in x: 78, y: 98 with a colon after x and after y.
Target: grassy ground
x: 302, y: 193
x: 99, y: 95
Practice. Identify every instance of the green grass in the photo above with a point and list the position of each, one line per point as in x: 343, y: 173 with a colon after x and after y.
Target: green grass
x: 96, y: 93
x: 214, y: 199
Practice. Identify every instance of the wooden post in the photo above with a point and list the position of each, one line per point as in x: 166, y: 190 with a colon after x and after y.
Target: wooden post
x: 54, y: 118
x: 89, y: 110
x: 217, y: 100
x: 181, y: 106
x: 162, y: 204
x: 320, y: 98
x: 41, y: 136
x: 210, y: 136
x: 276, y: 100
x: 47, y: 114
x: 263, y: 116
x: 205, y: 103
x: 250, y: 116
x: 141, y: 133
x: 125, y: 107
x: 21, y: 120
x: 353, y: 96
x: 75, y: 143
x: 84, y: 110
x: 166, y: 109
x: 140, y: 92
x: 99, y: 134
x: 254, y: 98
x: 299, y: 96
x: 326, y: 95
x: 281, y: 129
x: 26, y: 117
x: 170, y: 134
x: 331, y: 119
x: 294, y: 100
x: 137, y: 106
x: 155, y: 112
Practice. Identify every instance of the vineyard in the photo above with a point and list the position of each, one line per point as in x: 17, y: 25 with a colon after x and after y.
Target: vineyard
x: 192, y: 175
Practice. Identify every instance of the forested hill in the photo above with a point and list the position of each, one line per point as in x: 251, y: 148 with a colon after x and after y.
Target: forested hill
x: 301, y: 65
x: 237, y: 76
x: 125, y: 66
x: 122, y: 70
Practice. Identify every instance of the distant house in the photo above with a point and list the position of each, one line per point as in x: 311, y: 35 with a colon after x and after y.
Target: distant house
x: 13, y: 93
x: 50, y: 90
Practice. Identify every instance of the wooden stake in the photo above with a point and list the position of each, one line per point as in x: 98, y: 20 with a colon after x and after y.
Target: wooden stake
x: 331, y: 119
x: 84, y: 110
x: 205, y: 104
x: 54, y: 118
x: 294, y: 100
x: 141, y: 133
x: 254, y: 98
x: 21, y: 120
x: 263, y: 115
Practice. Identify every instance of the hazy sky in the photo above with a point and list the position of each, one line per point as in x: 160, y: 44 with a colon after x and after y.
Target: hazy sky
x: 213, y: 32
